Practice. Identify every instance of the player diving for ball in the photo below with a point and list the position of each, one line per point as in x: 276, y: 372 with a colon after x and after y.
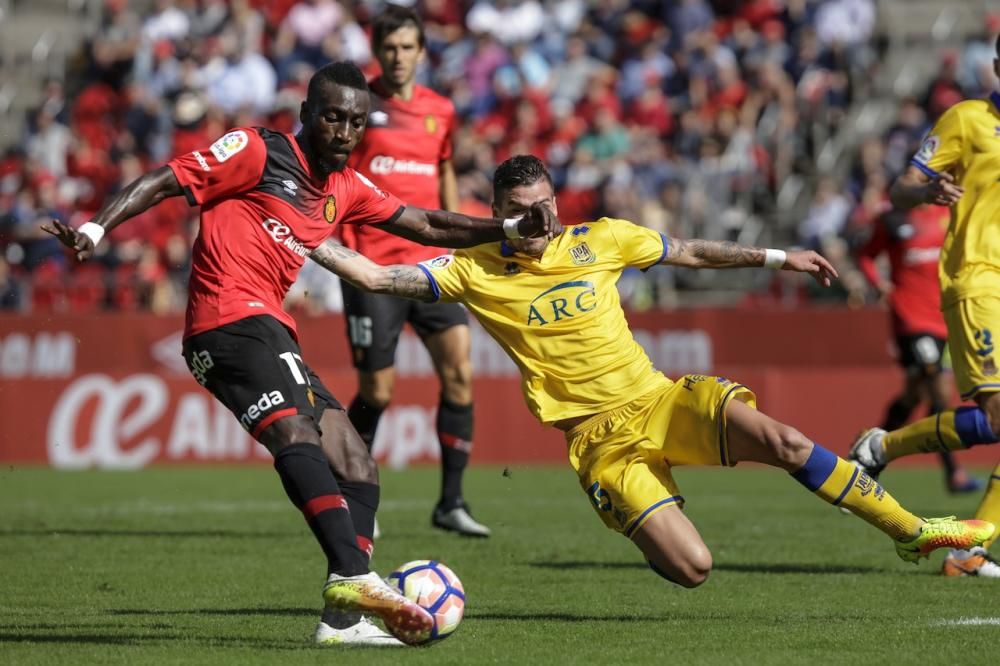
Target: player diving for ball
x: 267, y: 201
x: 552, y: 305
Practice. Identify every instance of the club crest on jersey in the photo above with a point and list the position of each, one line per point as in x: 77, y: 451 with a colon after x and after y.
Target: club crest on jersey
x: 582, y: 255
x: 927, y: 149
x: 330, y: 209
x: 229, y: 145
x: 430, y: 124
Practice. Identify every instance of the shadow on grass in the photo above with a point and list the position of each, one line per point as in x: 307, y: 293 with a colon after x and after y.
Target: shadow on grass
x: 287, y: 612
x: 561, y: 617
x: 776, y: 568
x: 127, y: 533
x: 139, y: 639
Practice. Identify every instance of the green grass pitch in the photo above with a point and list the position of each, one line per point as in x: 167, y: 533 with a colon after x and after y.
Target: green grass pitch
x: 213, y: 566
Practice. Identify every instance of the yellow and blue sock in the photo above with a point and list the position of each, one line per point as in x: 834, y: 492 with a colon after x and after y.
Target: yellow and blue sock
x: 946, y: 431
x: 842, y: 484
x: 989, y: 506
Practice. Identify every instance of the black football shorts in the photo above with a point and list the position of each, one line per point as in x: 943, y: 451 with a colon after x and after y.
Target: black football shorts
x: 254, y: 367
x: 374, y: 322
x: 920, y: 354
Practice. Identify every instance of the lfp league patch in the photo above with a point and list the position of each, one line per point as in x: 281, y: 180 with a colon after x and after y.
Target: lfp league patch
x: 439, y: 263
x: 229, y: 145
x: 927, y: 149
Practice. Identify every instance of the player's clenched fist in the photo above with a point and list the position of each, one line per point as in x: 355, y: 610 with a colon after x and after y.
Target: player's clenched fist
x: 807, y: 261
x: 539, y: 222
x: 80, y: 243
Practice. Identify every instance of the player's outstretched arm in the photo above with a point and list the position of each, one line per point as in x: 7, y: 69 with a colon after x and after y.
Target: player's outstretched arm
x: 697, y: 253
x: 915, y: 187
x: 403, y: 280
x: 445, y: 229
x: 144, y: 192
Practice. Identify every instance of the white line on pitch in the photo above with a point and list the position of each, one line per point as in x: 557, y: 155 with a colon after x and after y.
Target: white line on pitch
x: 968, y: 622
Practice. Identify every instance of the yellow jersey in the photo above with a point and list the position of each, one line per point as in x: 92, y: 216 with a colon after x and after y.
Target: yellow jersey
x: 559, y: 316
x: 965, y: 142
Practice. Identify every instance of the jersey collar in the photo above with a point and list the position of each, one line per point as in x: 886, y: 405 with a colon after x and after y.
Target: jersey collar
x: 506, y: 250
x: 995, y: 98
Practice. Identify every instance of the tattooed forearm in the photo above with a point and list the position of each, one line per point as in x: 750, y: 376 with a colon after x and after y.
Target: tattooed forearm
x: 329, y: 253
x: 362, y: 272
x: 697, y: 253
x: 405, y: 281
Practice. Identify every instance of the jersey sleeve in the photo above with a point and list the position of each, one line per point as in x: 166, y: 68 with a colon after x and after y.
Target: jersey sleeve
x: 943, y: 147
x: 448, y: 274
x: 231, y: 165
x: 369, y: 204
x: 640, y: 247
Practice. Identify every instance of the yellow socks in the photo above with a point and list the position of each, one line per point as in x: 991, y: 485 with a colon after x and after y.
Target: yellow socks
x: 989, y: 507
x: 945, y: 431
x: 842, y: 484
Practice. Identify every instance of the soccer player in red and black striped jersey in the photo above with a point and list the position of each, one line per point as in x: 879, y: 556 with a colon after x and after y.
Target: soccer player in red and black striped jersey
x: 407, y: 151
x: 912, y: 241
x: 269, y: 200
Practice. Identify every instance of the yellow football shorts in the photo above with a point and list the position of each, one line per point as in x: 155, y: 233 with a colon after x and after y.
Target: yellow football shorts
x: 623, y: 456
x: 972, y: 322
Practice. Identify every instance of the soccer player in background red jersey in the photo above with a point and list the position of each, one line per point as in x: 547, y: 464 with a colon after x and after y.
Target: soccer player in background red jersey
x: 912, y: 241
x: 269, y: 200
x: 407, y: 151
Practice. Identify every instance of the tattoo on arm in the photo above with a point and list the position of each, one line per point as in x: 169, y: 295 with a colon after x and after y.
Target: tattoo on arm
x: 697, y: 253
x: 327, y: 255
x: 398, y: 280
x: 404, y: 280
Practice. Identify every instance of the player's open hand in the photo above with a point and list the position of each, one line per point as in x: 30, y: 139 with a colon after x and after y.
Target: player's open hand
x: 539, y: 222
x: 942, y: 190
x: 81, y: 244
x: 807, y: 261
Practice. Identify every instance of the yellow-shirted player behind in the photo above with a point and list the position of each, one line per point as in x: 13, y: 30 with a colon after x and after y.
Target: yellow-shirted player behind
x: 554, y: 308
x: 958, y: 165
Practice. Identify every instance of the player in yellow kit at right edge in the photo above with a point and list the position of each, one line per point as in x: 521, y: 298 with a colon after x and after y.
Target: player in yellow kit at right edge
x: 958, y: 165
x: 553, y: 307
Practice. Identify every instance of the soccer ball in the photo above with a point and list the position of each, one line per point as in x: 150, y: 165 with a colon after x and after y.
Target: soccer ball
x: 436, y: 588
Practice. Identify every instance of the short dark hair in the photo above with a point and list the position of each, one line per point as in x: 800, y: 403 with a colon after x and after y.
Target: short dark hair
x: 341, y: 73
x: 517, y: 171
x: 392, y: 19
x: 997, y: 46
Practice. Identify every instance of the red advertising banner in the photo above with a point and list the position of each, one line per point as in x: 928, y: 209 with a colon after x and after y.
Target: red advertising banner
x: 113, y: 391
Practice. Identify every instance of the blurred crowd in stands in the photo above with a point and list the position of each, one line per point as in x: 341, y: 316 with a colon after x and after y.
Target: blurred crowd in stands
x: 686, y: 116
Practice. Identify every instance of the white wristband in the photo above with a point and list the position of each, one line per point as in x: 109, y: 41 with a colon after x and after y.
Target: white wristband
x: 93, y: 231
x: 774, y: 258
x: 510, y: 228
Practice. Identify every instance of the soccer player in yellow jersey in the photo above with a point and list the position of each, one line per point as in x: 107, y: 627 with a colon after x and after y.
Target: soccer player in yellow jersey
x: 958, y: 165
x: 554, y: 308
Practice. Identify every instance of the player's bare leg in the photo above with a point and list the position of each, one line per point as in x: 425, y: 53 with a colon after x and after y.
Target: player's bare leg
x: 756, y: 437
x: 450, y: 350
x: 674, y: 549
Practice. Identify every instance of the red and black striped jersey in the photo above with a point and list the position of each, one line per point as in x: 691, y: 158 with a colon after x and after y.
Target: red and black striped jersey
x: 262, y: 213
